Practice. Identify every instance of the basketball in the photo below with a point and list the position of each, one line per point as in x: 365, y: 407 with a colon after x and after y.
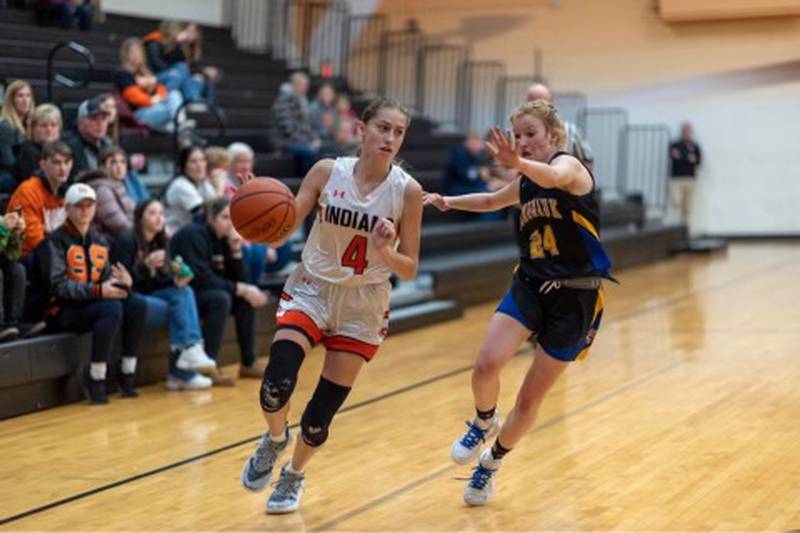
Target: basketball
x: 263, y: 210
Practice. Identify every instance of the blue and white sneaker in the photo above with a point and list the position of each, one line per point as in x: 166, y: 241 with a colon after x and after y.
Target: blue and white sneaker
x: 467, y: 447
x: 287, y: 494
x: 257, y: 471
x: 480, y: 486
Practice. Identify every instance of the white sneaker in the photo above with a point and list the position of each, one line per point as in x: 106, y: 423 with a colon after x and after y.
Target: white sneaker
x: 196, y: 382
x: 195, y: 358
x: 287, y: 494
x: 467, y: 447
x: 257, y: 471
x: 480, y: 486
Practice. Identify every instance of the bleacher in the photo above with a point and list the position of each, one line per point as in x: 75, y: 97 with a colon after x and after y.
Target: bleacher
x: 462, y: 262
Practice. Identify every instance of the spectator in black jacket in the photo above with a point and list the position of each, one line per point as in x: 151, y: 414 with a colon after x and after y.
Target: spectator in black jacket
x: 86, y: 293
x: 18, y: 105
x: 165, y: 284
x: 213, y: 250
x: 90, y: 138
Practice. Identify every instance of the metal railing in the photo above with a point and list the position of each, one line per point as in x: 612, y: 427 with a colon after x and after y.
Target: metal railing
x: 210, y: 109
x: 438, y: 88
x: 511, y: 91
x: 440, y: 81
x: 478, y: 82
x: 400, y: 65
x: 363, y: 56
x: 604, y: 128
x: 61, y: 79
x: 644, y: 156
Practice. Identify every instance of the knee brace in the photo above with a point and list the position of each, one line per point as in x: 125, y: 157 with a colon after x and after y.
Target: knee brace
x: 327, y: 399
x: 280, y: 376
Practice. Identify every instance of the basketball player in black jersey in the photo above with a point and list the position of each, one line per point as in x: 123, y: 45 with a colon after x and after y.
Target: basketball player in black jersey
x: 556, y: 290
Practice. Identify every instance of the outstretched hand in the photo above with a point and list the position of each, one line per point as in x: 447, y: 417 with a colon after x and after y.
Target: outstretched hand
x: 503, y: 147
x: 436, y: 200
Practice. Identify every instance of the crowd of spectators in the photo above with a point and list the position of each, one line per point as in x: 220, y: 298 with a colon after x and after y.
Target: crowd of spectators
x: 85, y: 246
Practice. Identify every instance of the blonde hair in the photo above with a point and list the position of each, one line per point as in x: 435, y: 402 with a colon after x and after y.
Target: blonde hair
x: 124, y: 51
x: 217, y: 157
x: 45, y: 113
x: 548, y: 114
x: 9, y: 112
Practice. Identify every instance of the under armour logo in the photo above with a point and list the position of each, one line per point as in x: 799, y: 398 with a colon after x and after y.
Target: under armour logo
x: 338, y: 194
x: 313, y: 430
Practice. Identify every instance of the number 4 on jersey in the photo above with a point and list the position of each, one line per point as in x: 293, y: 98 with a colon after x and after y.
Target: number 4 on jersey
x: 355, y: 255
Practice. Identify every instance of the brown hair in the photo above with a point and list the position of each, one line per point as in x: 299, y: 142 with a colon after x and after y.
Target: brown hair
x: 113, y: 127
x: 54, y: 148
x: 108, y: 153
x: 9, y: 112
x: 548, y: 114
x: 384, y: 102
x: 215, y: 206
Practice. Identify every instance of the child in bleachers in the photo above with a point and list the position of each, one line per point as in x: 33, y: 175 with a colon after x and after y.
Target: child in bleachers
x: 152, y: 103
x: 219, y: 164
x: 18, y: 106
x: 165, y: 284
x: 46, y: 125
x: 114, y: 207
x: 322, y: 112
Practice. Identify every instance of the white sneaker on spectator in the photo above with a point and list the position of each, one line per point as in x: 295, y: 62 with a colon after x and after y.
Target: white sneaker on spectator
x: 196, y: 382
x: 194, y: 357
x: 197, y: 107
x: 188, y: 124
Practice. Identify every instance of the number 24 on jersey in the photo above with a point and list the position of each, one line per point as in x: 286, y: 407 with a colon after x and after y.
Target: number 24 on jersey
x: 544, y: 241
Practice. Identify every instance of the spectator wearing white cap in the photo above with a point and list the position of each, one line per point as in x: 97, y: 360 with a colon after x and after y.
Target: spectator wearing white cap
x: 86, y: 293
x: 90, y: 137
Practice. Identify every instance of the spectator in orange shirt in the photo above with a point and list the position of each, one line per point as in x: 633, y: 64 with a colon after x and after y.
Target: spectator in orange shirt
x: 152, y: 104
x: 40, y: 198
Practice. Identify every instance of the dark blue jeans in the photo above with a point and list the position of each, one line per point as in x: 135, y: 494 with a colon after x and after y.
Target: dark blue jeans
x: 102, y: 317
x: 304, y: 156
x: 215, y: 305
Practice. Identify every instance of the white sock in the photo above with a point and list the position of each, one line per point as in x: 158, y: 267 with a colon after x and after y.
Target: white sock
x: 97, y: 371
x: 291, y: 469
x: 483, y: 424
x: 278, y: 440
x: 128, y: 365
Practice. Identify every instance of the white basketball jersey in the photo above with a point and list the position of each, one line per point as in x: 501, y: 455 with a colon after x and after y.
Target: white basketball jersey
x: 340, y: 248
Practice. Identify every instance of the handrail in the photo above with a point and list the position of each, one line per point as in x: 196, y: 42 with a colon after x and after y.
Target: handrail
x: 211, y: 109
x: 77, y: 48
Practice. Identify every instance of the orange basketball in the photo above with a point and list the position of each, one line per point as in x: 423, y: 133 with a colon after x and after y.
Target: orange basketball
x: 263, y: 210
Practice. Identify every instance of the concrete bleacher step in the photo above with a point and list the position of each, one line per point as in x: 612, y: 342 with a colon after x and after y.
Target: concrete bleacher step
x: 423, y: 314
x: 477, y: 275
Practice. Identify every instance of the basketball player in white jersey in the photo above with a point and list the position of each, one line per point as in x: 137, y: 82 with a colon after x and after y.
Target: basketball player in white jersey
x: 369, y: 213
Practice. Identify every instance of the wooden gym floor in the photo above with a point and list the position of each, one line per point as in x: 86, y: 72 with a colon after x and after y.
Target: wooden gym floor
x: 684, y: 417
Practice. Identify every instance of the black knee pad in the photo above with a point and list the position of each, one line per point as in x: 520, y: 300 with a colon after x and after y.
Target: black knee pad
x: 280, y: 376
x: 327, y: 399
